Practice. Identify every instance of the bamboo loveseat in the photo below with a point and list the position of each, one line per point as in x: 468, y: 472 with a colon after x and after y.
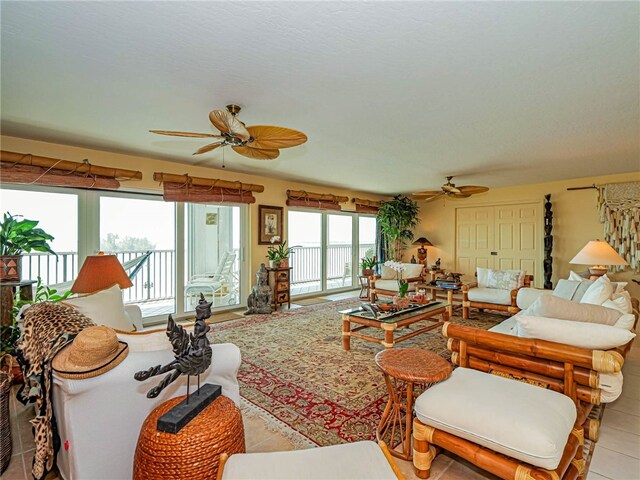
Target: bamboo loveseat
x: 489, y: 416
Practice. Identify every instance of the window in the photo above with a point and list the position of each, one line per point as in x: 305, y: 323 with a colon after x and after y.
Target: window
x: 163, y: 244
x: 57, y: 214
x: 131, y: 227
x: 324, y: 258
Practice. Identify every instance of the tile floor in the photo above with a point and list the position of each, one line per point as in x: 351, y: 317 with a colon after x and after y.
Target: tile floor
x: 616, y: 457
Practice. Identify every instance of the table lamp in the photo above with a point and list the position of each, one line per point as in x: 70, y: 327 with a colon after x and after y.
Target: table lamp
x: 599, y: 254
x: 99, y: 272
x: 422, y: 252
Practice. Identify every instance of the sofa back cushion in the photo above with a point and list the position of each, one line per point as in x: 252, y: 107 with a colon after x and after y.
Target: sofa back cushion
x: 412, y: 270
x: 550, y: 306
x: 502, y: 279
x: 578, y: 334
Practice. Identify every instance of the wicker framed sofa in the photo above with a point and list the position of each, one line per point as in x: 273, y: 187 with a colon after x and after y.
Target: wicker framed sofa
x: 553, y: 371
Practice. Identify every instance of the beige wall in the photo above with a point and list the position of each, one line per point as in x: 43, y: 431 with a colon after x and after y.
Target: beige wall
x: 274, y: 192
x: 575, y: 220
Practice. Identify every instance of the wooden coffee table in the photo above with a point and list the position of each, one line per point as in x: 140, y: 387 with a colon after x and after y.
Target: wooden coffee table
x: 390, y: 323
x: 434, y: 290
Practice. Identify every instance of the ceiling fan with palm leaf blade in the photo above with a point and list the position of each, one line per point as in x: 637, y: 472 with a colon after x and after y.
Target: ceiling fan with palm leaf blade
x: 260, y: 142
x: 450, y: 190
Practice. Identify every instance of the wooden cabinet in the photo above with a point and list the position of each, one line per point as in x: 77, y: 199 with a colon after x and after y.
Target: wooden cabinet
x: 280, y: 283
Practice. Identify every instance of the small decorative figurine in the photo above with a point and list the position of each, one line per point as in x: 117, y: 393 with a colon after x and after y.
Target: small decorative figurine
x: 192, y: 351
x: 261, y: 296
x: 413, y: 259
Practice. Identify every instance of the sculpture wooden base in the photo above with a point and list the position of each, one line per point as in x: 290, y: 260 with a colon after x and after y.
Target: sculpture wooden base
x: 180, y: 415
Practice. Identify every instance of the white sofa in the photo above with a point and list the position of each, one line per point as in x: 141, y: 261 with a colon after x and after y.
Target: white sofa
x: 99, y: 418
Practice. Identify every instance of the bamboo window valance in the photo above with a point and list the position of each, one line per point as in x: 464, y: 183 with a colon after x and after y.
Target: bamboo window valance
x: 301, y: 198
x: 366, y: 206
x: 24, y: 168
x: 185, y: 188
x: 619, y: 207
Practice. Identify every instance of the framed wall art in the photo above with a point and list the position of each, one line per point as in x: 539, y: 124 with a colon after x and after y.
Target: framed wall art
x: 270, y: 224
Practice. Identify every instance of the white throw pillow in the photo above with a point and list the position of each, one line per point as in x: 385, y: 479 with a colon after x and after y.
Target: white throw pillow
x: 504, y: 279
x: 104, y: 308
x: 599, y: 292
x: 620, y: 301
x: 574, y: 276
x: 626, y: 321
x: 550, y: 306
x: 578, y: 334
x: 483, y: 276
x: 388, y: 273
x: 617, y: 286
x: 412, y: 270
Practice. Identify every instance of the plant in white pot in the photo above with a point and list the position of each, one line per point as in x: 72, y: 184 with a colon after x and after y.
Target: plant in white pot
x: 17, y: 236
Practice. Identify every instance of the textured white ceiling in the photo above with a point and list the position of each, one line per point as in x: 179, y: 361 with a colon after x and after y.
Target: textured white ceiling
x: 393, y: 96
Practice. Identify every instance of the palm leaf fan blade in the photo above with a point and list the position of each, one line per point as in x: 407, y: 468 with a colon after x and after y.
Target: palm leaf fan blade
x: 208, y: 148
x: 185, y: 134
x: 257, y: 153
x: 267, y: 137
x: 427, y: 194
x: 227, y: 123
x: 473, y: 189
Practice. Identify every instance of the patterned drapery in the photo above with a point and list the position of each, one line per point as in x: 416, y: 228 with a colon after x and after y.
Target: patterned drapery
x: 619, y: 207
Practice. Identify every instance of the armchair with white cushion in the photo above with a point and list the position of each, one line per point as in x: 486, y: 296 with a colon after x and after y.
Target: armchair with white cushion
x: 99, y: 418
x: 387, y: 282
x: 494, y: 290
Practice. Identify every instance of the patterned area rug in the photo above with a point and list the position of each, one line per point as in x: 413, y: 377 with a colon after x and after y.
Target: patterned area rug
x: 294, y: 368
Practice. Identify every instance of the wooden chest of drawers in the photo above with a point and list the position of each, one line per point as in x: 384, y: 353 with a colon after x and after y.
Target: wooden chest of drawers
x: 280, y: 283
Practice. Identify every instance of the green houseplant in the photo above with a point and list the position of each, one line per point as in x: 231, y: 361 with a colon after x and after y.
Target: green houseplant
x: 397, y: 218
x: 17, y: 236
x: 367, y: 264
x: 279, y: 254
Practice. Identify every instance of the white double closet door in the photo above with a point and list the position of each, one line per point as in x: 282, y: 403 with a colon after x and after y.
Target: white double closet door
x: 502, y: 237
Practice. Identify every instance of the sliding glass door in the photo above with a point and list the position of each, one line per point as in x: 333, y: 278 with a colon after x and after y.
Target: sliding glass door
x: 325, y: 258
x: 305, y: 235
x: 212, y: 260
x: 339, y: 251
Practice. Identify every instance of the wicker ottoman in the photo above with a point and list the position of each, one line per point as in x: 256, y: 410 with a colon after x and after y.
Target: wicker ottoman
x: 194, y: 452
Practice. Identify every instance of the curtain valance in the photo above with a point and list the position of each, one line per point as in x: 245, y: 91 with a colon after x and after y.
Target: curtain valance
x: 366, y: 206
x: 30, y: 169
x: 185, y: 188
x: 322, y: 201
x: 619, y: 207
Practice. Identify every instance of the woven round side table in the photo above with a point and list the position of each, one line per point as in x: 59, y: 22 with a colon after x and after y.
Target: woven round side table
x: 402, y: 368
x: 193, y: 452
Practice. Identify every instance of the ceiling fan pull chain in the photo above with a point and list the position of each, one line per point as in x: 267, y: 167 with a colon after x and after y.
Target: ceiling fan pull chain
x: 223, y: 158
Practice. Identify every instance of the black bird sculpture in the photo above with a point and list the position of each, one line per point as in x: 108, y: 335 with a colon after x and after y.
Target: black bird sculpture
x: 192, y: 351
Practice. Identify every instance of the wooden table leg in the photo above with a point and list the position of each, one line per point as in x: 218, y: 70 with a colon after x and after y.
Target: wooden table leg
x: 346, y: 333
x: 408, y: 422
x: 434, y: 296
x: 388, y: 334
x: 450, y: 301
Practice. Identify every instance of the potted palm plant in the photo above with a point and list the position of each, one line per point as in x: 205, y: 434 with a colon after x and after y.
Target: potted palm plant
x: 367, y: 264
x: 397, y: 218
x: 17, y: 236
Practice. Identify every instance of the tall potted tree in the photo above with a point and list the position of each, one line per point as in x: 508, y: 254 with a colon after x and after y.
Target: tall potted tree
x: 397, y: 219
x: 17, y: 236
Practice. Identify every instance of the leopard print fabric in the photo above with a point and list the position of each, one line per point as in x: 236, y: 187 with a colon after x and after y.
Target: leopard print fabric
x: 47, y: 328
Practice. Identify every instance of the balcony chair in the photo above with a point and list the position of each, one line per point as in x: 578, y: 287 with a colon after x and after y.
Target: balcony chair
x: 515, y: 407
x: 482, y: 295
x: 218, y: 286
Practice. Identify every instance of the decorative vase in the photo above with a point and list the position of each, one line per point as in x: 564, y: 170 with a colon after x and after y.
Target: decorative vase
x: 272, y: 263
x: 284, y: 263
x: 10, y: 268
x: 402, y: 302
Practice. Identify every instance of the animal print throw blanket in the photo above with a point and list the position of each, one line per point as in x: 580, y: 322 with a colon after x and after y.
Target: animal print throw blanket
x: 47, y: 327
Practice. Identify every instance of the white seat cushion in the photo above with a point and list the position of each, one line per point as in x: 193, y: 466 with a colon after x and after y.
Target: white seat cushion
x: 522, y: 421
x: 508, y: 327
x: 339, y: 462
x: 490, y: 295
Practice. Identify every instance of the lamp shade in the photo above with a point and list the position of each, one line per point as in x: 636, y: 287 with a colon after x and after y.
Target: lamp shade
x: 99, y: 272
x: 598, y: 252
x: 423, y: 241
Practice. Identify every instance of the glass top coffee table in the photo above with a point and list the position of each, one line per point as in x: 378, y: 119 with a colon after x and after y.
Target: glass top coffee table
x: 390, y: 322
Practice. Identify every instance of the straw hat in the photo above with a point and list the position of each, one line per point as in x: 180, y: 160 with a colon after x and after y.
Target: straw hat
x: 94, y: 351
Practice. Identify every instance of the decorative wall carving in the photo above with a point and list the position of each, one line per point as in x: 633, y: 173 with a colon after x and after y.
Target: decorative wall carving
x: 548, y: 242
